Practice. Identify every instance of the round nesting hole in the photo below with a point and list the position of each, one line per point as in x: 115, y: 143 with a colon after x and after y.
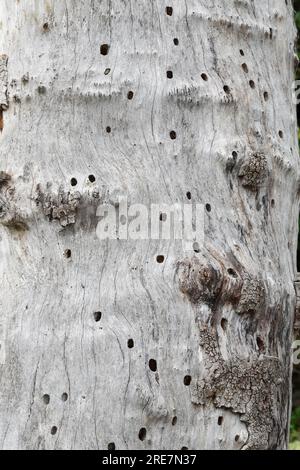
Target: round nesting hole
x: 252, y: 84
x: 204, y: 77
x: 153, y: 365
x: 142, y: 434
x: 266, y: 96
x: 169, y: 11
x: 245, y: 68
x: 130, y: 95
x: 160, y: 259
x: 73, y: 181
x: 280, y: 133
x: 173, y: 135
x: 174, y: 420
x: 108, y: 129
x: 226, y: 89
x: 232, y: 273
x: 130, y: 343
x: 46, y: 399
x: 189, y: 195
x: 176, y: 41
x: 169, y: 74
x: 224, y: 324
x: 208, y: 207
x: 220, y: 420
x: 106, y: 71
x: 111, y: 446
x: 187, y: 380
x: 53, y: 430
x: 242, y: 52
x: 104, y: 48
x: 97, y: 316
x: 67, y: 253
x: 92, y: 179
x: 64, y: 397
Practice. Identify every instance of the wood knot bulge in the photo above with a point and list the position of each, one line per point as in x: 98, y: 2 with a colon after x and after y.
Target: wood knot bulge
x: 247, y: 387
x: 253, y: 171
x: 206, y: 280
x: 61, y: 206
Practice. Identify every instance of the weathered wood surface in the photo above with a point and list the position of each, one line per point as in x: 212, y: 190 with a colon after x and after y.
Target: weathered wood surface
x: 218, y: 323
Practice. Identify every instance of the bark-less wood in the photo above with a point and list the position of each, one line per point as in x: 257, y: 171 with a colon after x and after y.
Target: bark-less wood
x: 86, y: 89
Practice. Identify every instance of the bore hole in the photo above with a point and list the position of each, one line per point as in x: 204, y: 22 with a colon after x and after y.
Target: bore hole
x: 130, y: 343
x: 46, y: 26
x: 273, y: 203
x: 163, y: 217
x: 173, y: 135
x: 92, y: 178
x: 160, y: 259
x: 266, y: 96
x: 46, y: 399
x: 104, y: 48
x: 208, y: 207
x: 174, y: 420
x: 73, y: 181
x: 236, y: 438
x: 97, y: 316
x: 224, y: 324
x: 232, y: 272
x: 153, y: 365
x: 142, y: 434
x: 196, y: 247
x: 280, y: 133
x: 108, y: 129
x: 64, y: 397
x: 176, y: 41
x: 204, y: 77
x: 220, y: 420
x: 252, y: 84
x: 189, y: 195
x: 169, y: 74
x: 187, y: 380
x: 130, y: 95
x: 67, y: 253
x: 53, y: 430
x: 226, y: 89
x: 111, y: 446
x: 245, y: 68
x: 106, y: 71
x: 184, y: 448
x: 242, y: 52
x: 169, y: 11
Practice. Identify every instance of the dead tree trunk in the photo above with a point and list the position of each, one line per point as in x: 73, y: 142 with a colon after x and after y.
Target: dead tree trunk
x: 141, y: 344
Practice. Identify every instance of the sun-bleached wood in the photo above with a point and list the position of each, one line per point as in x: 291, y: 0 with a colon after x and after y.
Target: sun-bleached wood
x: 95, y: 88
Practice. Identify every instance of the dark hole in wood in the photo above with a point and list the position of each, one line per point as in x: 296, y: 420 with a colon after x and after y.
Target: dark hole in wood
x: 67, y: 253
x: 224, y: 324
x: 162, y: 217
x: 174, y: 420
x: 64, y: 397
x: 189, y: 195
x: 176, y: 41
x: 204, y: 77
x: 173, y: 135
x: 142, y: 434
x: 236, y: 438
x: 46, y: 399
x: 226, y: 89
x: 196, y: 247
x: 245, y: 68
x: 108, y: 129
x: 46, y: 26
x: 53, y: 430
x: 208, y: 207
x: 92, y: 178
x: 169, y: 11
x: 232, y: 272
x: 273, y: 203
x: 106, y: 71
x: 130, y: 95
x: 266, y: 96
x: 280, y: 133
x: 184, y: 448
x: 73, y: 181
x: 130, y: 343
x: 220, y: 420
x: 260, y: 343
x: 97, y: 316
x: 104, y: 48
x: 153, y: 365
x: 252, y: 84
x: 111, y: 446
x: 242, y: 52
x: 187, y: 380
x: 160, y: 259
x: 169, y: 74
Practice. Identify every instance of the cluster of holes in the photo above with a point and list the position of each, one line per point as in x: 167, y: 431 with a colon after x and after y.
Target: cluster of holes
x: 46, y: 398
x: 74, y: 181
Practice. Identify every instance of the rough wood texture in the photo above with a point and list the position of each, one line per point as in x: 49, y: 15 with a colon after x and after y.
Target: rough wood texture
x: 101, y: 340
